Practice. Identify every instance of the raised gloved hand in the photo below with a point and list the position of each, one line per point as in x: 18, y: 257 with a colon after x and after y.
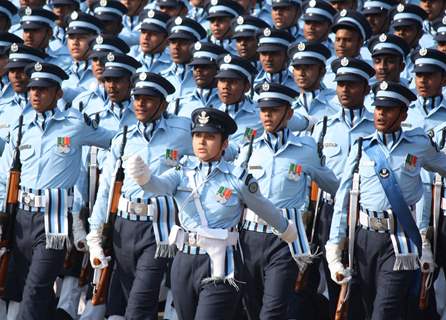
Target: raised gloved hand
x: 338, y: 272
x: 427, y: 258
x: 138, y: 170
x: 97, y: 258
x: 290, y: 234
x: 79, y: 234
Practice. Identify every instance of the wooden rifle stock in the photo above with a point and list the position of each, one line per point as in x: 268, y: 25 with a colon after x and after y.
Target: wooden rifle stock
x: 85, y: 272
x: 423, y: 302
x: 9, y: 216
x: 342, y: 305
x: 100, y: 288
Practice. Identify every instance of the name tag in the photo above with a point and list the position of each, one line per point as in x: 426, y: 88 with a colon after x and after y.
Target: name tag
x: 255, y: 167
x: 4, y: 125
x: 187, y: 189
x: 25, y: 146
x: 330, y: 144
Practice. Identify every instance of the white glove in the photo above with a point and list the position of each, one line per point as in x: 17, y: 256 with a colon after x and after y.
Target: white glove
x: 290, y: 234
x: 138, y: 170
x: 338, y: 273
x: 94, y: 241
x: 79, y: 234
x: 427, y: 258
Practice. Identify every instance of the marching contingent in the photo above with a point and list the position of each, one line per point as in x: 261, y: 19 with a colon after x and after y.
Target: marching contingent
x: 222, y: 159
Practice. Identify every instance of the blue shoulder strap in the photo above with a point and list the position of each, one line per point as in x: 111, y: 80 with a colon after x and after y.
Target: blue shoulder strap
x: 393, y: 192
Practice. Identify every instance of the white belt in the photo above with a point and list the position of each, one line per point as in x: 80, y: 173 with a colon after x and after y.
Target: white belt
x: 376, y: 224
x: 253, y: 217
x: 443, y: 204
x: 327, y: 197
x: 37, y: 201
x: 139, y: 209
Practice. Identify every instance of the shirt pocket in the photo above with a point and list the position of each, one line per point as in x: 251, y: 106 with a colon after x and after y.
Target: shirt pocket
x: 367, y: 169
x: 331, y: 150
x: 26, y: 152
x: 257, y: 172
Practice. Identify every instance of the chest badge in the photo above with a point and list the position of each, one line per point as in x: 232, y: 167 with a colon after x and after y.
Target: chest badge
x: 249, y: 134
x: 223, y: 194
x: 63, y: 144
x: 294, y: 171
x: 171, y: 157
x: 411, y: 162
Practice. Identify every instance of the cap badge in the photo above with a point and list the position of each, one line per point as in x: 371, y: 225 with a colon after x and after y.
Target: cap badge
x: 343, y: 13
x: 178, y: 21
x: 151, y: 14
x: 143, y: 76
x: 99, y: 40
x: 103, y: 3
x: 28, y: 11
x: 383, y: 86
x: 74, y: 15
x: 214, y: 2
x: 301, y: 46
x: 267, y: 32
x: 265, y: 86
x: 197, y: 46
x: 110, y: 57
x: 400, y: 7
x: 382, y: 37
x: 344, y: 62
x: 38, y: 67
x: 312, y: 3
x: 227, y: 58
x: 203, y: 118
x: 444, y: 20
x: 423, y: 52
x: 14, y: 47
x: 240, y: 20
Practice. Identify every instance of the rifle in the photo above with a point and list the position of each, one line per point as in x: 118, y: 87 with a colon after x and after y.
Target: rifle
x: 342, y: 306
x: 102, y: 276
x: 93, y: 178
x: 315, y: 203
x: 426, y: 278
x: 11, y: 205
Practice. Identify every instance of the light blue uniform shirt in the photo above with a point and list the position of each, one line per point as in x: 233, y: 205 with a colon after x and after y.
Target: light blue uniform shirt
x: 199, y: 15
x: 180, y: 76
x: 284, y: 77
x: 10, y: 111
x: 270, y: 165
x: 130, y: 30
x: 316, y: 104
x: 340, y: 136
x: 208, y: 179
x: 80, y: 78
x: 112, y: 119
x: 151, y: 62
x: 246, y: 115
x: 170, y: 133
x: 372, y: 197
x: 92, y: 100
x: 227, y: 44
x: 44, y: 165
x: 199, y: 98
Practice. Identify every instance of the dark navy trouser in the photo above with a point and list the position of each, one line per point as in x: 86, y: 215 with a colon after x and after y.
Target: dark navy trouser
x: 194, y: 299
x: 384, y: 291
x: 270, y: 274
x: 35, y: 268
x: 136, y: 270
